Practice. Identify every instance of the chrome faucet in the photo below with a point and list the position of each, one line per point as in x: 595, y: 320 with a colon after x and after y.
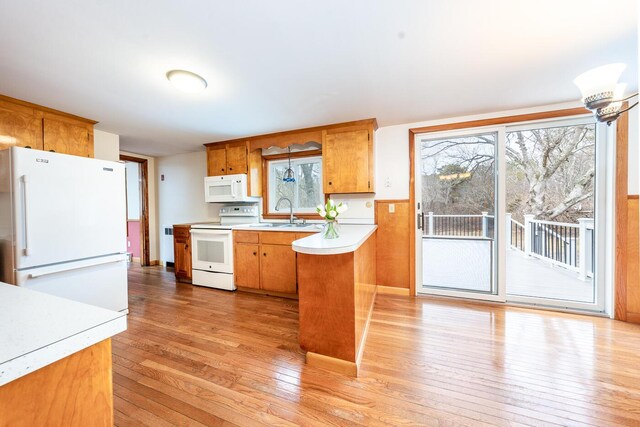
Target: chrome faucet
x: 291, y: 217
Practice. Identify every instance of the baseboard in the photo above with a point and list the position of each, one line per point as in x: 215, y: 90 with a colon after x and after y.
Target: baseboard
x: 154, y: 262
x: 332, y: 364
x: 392, y: 290
x: 633, y: 317
x: 135, y: 259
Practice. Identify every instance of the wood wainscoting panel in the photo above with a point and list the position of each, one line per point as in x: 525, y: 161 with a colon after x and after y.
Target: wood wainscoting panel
x: 365, y: 290
x: 393, y: 240
x: 633, y: 258
x: 327, y: 311
x: 74, y: 391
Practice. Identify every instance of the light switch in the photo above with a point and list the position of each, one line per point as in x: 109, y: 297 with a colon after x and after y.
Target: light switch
x: 392, y: 208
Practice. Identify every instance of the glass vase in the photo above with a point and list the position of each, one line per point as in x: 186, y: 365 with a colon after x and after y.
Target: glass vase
x: 331, y: 230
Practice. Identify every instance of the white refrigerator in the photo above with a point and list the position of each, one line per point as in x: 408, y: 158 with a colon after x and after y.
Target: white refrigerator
x: 63, y: 226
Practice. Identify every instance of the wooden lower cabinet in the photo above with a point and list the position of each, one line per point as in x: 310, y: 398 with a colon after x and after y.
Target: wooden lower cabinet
x: 182, y: 252
x: 247, y: 265
x: 278, y: 268
x: 266, y: 261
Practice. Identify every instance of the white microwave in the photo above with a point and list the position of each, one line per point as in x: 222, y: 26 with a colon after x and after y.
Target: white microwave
x: 226, y: 188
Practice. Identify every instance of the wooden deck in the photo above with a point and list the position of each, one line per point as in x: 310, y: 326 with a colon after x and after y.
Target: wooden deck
x: 466, y: 264
x: 196, y: 356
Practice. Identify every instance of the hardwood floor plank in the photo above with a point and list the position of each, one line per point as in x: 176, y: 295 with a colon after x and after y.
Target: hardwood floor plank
x: 197, y: 356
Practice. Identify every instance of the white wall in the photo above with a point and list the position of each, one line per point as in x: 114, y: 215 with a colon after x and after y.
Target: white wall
x: 133, y: 190
x: 106, y: 146
x: 154, y: 230
x: 181, y: 194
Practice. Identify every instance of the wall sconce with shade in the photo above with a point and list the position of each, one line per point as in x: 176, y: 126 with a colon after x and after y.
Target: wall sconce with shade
x: 601, y: 92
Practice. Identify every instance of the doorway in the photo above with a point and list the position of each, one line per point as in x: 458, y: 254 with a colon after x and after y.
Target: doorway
x: 510, y: 213
x: 137, y: 209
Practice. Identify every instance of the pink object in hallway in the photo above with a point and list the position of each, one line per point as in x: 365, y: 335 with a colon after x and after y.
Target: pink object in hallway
x: 133, y: 238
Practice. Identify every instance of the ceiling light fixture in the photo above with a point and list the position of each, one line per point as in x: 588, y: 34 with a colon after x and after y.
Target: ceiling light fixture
x: 601, y: 92
x: 186, y: 81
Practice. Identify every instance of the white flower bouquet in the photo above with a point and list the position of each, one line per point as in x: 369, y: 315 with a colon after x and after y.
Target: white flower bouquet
x: 330, y: 212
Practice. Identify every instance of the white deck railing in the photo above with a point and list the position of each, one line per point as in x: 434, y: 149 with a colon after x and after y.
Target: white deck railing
x: 568, y: 245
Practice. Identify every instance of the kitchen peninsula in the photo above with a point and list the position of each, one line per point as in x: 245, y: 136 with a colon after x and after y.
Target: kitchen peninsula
x: 55, y: 359
x: 337, y: 289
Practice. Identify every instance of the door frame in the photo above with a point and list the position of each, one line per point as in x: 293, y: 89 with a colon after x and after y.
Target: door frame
x: 144, y: 214
x: 603, y: 216
x: 502, y: 120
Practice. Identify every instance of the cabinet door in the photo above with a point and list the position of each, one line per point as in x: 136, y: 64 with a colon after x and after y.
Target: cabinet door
x: 182, y: 253
x: 19, y: 127
x: 347, y: 158
x: 278, y: 268
x: 237, y: 159
x: 67, y: 138
x: 216, y: 161
x: 247, y: 265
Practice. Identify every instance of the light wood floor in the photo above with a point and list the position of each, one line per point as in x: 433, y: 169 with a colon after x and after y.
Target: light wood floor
x: 196, y: 356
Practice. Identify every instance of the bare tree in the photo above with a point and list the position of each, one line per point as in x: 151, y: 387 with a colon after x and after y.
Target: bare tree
x: 550, y: 172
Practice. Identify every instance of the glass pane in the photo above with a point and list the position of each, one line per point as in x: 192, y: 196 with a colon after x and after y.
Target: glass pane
x: 458, y: 199
x: 550, y: 212
x: 279, y: 188
x: 309, y: 185
x: 211, y: 251
x: 305, y: 193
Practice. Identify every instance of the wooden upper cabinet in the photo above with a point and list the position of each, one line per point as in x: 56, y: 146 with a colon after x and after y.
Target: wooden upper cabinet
x: 237, y: 159
x: 67, y: 138
x: 347, y: 157
x: 216, y: 161
x: 23, y: 124
x: 19, y: 126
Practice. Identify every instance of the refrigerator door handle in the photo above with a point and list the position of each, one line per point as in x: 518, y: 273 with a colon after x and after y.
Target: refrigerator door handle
x: 63, y: 269
x: 25, y: 185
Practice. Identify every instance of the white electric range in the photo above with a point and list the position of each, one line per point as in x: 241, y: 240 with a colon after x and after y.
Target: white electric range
x: 212, y: 246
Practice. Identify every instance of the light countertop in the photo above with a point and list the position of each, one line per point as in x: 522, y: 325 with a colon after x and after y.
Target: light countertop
x: 351, y: 238
x: 37, y: 329
x: 309, y: 228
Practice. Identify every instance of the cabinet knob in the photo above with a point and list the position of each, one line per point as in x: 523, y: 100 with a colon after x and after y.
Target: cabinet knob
x: 27, y: 146
x: 330, y: 183
x: 222, y: 170
x: 264, y: 254
x: 52, y: 151
x: 255, y: 253
x: 230, y: 169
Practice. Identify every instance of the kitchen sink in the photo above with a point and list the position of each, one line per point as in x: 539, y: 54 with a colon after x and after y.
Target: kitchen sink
x: 282, y: 225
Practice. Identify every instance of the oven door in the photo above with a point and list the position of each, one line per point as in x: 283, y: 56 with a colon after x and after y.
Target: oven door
x: 211, y: 250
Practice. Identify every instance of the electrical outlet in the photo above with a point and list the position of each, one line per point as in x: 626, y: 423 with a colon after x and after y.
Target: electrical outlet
x: 392, y: 208
x: 387, y: 182
x: 128, y: 244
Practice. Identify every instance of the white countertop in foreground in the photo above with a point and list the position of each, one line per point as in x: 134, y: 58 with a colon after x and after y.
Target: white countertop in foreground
x: 351, y: 237
x: 37, y: 329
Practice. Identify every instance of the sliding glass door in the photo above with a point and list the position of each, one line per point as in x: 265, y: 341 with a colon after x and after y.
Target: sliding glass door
x: 458, y: 226
x: 511, y: 213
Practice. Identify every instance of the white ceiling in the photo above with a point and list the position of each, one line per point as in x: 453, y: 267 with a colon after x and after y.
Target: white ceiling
x: 285, y: 64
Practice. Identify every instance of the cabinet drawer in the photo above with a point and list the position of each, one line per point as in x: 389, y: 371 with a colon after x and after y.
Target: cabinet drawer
x: 277, y: 237
x: 245, y: 236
